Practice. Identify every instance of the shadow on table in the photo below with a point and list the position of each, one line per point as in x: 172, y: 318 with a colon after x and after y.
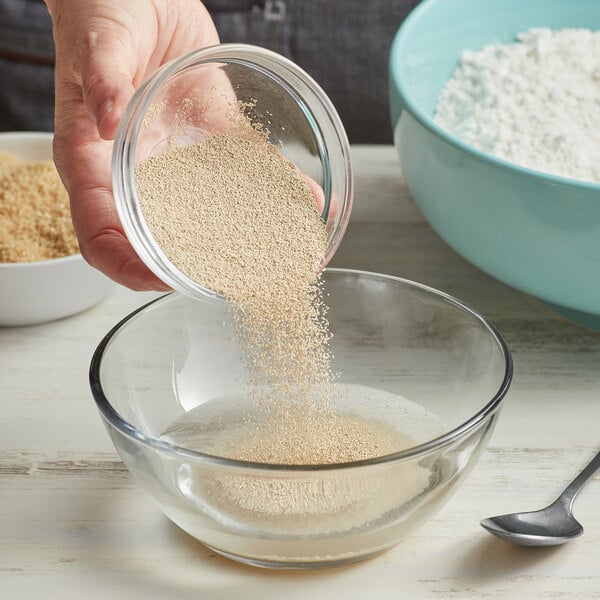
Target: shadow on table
x: 128, y: 546
x: 492, y: 557
x: 119, y: 541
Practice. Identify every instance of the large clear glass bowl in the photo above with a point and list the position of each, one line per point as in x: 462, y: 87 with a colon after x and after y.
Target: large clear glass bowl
x: 177, y: 354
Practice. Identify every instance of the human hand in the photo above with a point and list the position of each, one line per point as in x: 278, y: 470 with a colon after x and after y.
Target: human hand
x: 104, y: 50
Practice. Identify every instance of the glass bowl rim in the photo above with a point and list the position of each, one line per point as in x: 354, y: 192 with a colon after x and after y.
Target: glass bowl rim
x: 115, y: 420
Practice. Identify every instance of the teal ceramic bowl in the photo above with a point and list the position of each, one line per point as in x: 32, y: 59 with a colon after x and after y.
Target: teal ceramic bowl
x: 536, y: 232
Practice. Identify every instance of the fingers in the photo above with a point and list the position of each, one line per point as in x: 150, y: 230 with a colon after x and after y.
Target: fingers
x: 107, y: 70
x: 84, y: 164
x: 94, y: 81
x: 98, y: 48
x: 83, y: 160
x: 104, y: 49
x: 106, y: 80
x: 104, y: 244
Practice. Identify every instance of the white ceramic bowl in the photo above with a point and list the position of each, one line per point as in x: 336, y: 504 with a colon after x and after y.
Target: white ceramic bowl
x: 45, y: 290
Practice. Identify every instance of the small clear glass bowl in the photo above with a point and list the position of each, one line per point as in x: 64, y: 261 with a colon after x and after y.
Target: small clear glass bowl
x: 176, y: 355
x: 195, y: 96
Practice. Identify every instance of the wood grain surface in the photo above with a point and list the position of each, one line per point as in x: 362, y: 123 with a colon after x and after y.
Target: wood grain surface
x: 73, y: 524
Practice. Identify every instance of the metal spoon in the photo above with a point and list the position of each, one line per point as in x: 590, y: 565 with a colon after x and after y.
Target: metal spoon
x: 550, y: 526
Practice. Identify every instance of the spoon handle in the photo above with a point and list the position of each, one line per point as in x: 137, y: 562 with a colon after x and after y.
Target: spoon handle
x: 577, y: 484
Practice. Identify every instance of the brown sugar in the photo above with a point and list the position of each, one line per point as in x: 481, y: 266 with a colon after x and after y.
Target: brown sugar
x: 35, y: 220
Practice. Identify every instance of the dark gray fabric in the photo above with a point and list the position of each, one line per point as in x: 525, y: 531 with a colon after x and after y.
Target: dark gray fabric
x: 26, y: 96
x: 26, y: 72
x: 264, y: 24
x: 26, y: 29
x: 343, y: 44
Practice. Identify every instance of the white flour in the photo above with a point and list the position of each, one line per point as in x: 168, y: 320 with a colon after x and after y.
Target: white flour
x: 535, y: 102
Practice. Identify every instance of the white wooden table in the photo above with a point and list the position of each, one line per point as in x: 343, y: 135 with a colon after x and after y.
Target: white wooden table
x: 74, y: 525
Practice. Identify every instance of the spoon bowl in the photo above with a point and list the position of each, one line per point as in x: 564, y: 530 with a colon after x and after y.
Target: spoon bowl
x: 549, y: 526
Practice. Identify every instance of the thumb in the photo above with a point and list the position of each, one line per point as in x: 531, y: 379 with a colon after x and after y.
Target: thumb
x: 107, y: 70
